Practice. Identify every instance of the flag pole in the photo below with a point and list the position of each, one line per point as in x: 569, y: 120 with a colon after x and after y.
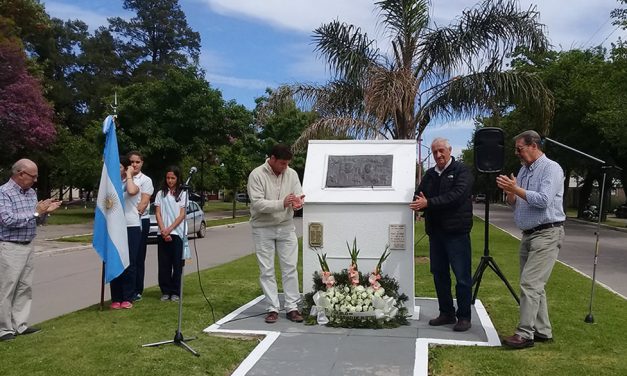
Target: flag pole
x: 102, y: 280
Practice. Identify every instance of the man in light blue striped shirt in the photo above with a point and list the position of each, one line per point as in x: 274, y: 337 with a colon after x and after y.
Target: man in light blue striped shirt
x: 536, y: 195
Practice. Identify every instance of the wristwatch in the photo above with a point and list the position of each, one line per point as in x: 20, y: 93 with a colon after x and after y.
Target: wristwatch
x: 36, y: 214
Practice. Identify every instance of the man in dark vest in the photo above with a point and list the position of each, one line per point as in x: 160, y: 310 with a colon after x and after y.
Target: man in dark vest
x: 444, y: 195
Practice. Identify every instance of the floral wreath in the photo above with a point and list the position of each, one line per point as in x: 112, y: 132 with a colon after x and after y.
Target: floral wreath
x: 350, y: 299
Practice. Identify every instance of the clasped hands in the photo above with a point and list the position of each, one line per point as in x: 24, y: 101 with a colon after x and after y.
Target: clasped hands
x: 506, y: 183
x: 293, y: 201
x: 47, y: 206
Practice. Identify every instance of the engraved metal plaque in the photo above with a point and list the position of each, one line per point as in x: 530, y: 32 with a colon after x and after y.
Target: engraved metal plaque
x: 315, y: 234
x: 347, y: 171
x: 397, y: 236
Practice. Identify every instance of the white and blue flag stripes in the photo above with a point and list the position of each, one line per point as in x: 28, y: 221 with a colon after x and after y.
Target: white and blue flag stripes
x: 110, y: 237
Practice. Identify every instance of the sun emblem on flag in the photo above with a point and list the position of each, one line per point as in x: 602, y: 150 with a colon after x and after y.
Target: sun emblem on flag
x: 110, y: 201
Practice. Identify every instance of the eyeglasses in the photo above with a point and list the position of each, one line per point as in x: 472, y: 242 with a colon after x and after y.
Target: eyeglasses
x: 520, y: 148
x: 31, y: 175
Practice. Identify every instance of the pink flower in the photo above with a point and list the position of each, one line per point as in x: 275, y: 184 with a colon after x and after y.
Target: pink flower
x: 373, y: 279
x: 328, y: 279
x: 353, y: 275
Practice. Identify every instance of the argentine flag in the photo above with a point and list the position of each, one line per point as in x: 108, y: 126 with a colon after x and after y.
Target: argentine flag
x: 110, y: 239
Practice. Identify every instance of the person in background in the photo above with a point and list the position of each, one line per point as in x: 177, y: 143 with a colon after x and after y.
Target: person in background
x: 123, y: 286
x: 19, y: 214
x: 275, y: 192
x: 444, y: 195
x: 536, y: 195
x: 146, y: 190
x: 170, y: 213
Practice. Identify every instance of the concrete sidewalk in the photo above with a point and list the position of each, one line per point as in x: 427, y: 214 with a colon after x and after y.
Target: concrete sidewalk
x: 290, y: 348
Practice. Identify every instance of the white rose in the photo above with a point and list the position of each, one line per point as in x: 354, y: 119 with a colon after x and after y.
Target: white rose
x: 364, y: 295
x: 346, y: 289
x: 358, y: 308
x: 359, y: 288
x: 352, y: 309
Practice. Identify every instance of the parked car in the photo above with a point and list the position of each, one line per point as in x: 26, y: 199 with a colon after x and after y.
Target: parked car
x: 621, y: 211
x: 241, y: 197
x: 480, y: 197
x: 196, y: 224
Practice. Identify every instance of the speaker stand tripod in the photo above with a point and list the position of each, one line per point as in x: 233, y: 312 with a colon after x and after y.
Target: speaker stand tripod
x: 487, y: 260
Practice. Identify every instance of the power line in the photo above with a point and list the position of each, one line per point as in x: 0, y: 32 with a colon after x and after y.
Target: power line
x: 613, y: 31
x: 597, y: 31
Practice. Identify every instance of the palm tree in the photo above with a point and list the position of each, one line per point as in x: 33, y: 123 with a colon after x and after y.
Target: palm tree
x: 430, y: 72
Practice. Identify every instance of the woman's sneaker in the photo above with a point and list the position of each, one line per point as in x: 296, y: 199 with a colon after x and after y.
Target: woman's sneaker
x: 115, y: 305
x: 175, y: 298
x: 165, y: 298
x: 126, y: 305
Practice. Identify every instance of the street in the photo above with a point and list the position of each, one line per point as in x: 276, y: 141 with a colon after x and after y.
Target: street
x: 578, y: 248
x: 68, y: 279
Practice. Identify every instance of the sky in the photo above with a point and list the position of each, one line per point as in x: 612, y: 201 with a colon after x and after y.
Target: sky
x: 249, y: 45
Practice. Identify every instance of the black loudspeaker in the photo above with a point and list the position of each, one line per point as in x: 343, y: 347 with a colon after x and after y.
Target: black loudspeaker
x: 489, y: 149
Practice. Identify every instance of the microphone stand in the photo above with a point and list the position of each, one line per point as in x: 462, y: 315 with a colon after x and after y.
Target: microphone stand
x: 589, y: 317
x: 179, y: 339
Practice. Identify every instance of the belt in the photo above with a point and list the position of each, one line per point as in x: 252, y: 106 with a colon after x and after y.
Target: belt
x: 16, y: 242
x: 542, y: 227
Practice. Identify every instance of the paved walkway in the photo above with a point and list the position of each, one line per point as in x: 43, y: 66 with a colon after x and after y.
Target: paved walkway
x: 291, y: 348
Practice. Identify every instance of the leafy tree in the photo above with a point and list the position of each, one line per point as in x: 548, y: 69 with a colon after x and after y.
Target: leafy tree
x: 157, y: 37
x: 170, y: 118
x: 432, y: 72
x: 25, y: 115
x: 590, y: 98
x: 279, y: 120
x: 80, y: 158
x: 28, y: 20
x: 620, y: 15
x: 234, y: 168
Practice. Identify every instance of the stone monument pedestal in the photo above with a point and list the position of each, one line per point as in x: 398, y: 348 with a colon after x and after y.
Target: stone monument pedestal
x: 360, y: 190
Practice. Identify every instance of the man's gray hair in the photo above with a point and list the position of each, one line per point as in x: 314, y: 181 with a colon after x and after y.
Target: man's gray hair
x: 443, y: 140
x: 529, y: 137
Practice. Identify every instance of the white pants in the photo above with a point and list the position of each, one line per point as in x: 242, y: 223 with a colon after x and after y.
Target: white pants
x: 281, y: 240
x: 16, y: 281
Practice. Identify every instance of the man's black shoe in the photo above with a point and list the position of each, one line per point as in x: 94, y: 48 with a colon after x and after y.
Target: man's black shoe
x: 442, y: 320
x: 462, y: 325
x: 537, y: 338
x: 7, y: 337
x: 517, y: 342
x: 30, y: 330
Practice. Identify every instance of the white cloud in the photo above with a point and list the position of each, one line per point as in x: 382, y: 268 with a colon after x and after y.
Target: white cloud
x: 244, y: 83
x: 94, y: 18
x: 569, y: 23
x: 300, y: 15
x: 213, y: 61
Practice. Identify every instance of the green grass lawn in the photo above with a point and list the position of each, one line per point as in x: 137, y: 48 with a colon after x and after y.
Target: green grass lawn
x: 67, y: 215
x: 94, y: 342
x: 71, y: 215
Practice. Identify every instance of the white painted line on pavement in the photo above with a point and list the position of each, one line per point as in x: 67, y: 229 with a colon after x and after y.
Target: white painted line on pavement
x: 421, y: 361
